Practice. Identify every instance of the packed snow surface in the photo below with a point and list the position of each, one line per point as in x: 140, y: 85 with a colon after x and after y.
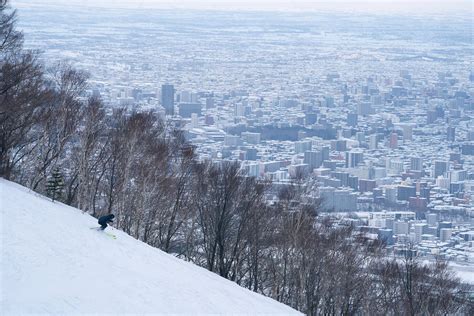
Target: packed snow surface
x: 52, y: 262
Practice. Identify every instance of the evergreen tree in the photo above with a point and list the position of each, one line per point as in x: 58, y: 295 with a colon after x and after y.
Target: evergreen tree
x: 55, y: 185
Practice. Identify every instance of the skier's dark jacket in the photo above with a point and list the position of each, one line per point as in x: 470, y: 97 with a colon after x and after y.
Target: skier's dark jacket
x: 103, y: 220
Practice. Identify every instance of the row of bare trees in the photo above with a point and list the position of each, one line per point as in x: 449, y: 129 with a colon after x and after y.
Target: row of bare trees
x: 133, y: 165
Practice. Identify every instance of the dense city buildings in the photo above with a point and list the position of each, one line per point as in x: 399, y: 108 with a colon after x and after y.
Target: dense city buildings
x: 383, y: 128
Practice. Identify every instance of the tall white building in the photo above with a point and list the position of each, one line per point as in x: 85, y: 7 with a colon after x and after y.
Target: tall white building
x: 432, y: 219
x: 373, y: 141
x: 400, y: 228
x: 416, y: 163
x: 420, y: 229
x: 445, y: 234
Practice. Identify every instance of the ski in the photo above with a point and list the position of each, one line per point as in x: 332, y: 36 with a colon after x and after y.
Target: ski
x: 107, y: 233
x: 111, y: 235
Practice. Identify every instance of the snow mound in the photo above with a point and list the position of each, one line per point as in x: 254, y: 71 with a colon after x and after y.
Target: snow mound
x: 52, y: 262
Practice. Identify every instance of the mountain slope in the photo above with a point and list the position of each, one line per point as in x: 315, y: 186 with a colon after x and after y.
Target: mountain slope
x: 52, y: 262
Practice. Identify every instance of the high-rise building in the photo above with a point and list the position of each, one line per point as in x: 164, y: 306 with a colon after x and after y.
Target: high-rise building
x: 390, y: 193
x: 416, y: 163
x: 345, y: 133
x: 445, y: 234
x: 395, y: 165
x: 420, y: 229
x: 209, y: 120
x: 407, y: 130
x: 251, y: 138
x: 373, y: 141
x: 313, y: 158
x: 366, y: 185
x: 431, y: 117
x: 400, y: 227
x: 325, y: 151
x: 425, y: 192
x: 209, y: 103
x: 467, y: 149
x: 442, y: 182
x: 352, y: 119
x: 432, y: 219
x: 386, y: 235
x: 440, y: 167
x: 439, y: 112
x: 194, y: 120
x: 353, y: 182
x: 360, y: 136
x: 327, y: 198
x: 451, y: 134
x: 232, y: 140
x: 311, y: 118
x: 302, y: 146
x: 329, y: 101
x: 342, y: 176
x: 353, y: 158
x: 239, y: 110
x: 187, y: 109
x: 470, y: 135
x: 345, y: 200
x: 399, y: 91
x: 404, y: 192
x: 417, y: 203
x: 253, y: 170
x: 251, y: 154
x: 298, y: 171
x: 365, y: 108
x: 185, y: 97
x: 339, y: 145
x: 456, y: 187
x: 442, y: 225
x: 330, y: 164
x: 456, y: 157
x: 167, y: 98
x: 458, y: 175
x: 393, y: 141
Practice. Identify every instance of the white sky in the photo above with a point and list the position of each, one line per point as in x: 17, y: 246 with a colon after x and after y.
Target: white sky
x: 390, y: 6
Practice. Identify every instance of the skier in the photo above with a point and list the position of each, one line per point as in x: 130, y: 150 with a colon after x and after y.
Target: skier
x: 103, y: 220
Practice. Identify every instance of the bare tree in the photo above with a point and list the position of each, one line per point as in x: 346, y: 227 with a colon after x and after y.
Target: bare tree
x: 411, y: 287
x: 23, y: 94
x: 225, y: 202
x: 180, y: 183
x: 23, y: 106
x: 10, y: 38
x: 88, y: 154
x: 63, y: 115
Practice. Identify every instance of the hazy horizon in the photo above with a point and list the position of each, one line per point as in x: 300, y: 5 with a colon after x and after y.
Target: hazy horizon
x: 419, y: 7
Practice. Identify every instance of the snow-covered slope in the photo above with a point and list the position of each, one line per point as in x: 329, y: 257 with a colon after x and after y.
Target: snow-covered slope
x: 52, y: 262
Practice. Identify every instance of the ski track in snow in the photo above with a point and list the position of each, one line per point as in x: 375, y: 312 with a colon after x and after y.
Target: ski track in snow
x: 52, y: 262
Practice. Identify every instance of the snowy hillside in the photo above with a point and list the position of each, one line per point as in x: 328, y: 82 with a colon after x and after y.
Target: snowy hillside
x: 52, y: 262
